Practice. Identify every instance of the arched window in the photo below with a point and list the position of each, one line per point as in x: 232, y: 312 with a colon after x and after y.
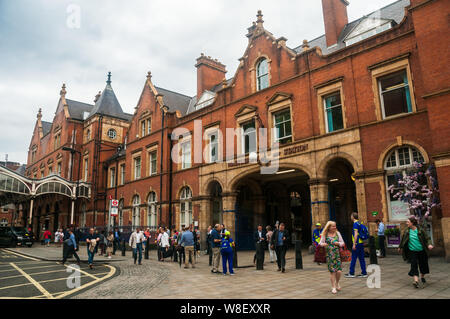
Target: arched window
x: 121, y: 212
x: 185, y: 207
x: 136, y: 212
x: 151, y: 210
x: 397, y: 163
x: 262, y: 74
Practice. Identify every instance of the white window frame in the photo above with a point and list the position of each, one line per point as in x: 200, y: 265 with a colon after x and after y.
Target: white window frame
x: 186, y: 203
x: 136, y: 216
x: 324, y: 99
x: 152, y: 210
x: 122, y: 173
x: 405, y: 86
x: 153, y: 169
x: 213, y: 145
x: 86, y: 169
x: 276, y: 137
x: 112, y: 176
x: 244, y: 134
x: 186, y: 153
x: 137, y: 173
x: 260, y: 76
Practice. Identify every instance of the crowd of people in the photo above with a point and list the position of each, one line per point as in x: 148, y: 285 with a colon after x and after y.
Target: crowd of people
x: 184, y: 246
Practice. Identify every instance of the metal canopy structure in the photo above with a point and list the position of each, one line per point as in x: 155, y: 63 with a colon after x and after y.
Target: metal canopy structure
x: 15, y: 188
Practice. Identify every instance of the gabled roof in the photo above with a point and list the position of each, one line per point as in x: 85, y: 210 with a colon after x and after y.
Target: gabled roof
x: 394, y: 11
x: 46, y: 127
x: 77, y: 109
x: 175, y: 101
x: 107, y: 104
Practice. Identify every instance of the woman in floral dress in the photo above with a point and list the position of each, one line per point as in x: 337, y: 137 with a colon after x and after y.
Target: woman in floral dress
x: 332, y: 240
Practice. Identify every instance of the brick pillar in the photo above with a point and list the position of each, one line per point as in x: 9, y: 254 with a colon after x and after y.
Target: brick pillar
x: 442, y: 172
x: 320, y: 209
x: 229, y: 213
x: 361, y: 200
x: 204, y: 219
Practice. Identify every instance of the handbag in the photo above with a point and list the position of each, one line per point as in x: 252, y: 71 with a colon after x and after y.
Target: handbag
x: 345, y: 254
x: 320, y: 255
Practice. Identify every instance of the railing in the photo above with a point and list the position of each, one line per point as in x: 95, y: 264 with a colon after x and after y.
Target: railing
x: 125, y: 232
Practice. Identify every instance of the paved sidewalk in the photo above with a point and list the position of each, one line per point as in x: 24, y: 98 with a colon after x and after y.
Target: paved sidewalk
x: 54, y: 253
x: 156, y: 279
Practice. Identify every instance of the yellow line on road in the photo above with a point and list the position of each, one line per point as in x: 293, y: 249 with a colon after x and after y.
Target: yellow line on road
x: 36, y: 273
x: 34, y: 282
x: 23, y: 256
x: 28, y: 268
x: 110, y: 274
x: 82, y: 271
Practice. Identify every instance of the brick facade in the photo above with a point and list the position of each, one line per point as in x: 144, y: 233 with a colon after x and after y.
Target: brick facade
x: 298, y: 81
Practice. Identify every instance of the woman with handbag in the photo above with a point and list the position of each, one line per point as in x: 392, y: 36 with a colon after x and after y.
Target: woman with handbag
x: 332, y: 241
x: 413, y: 245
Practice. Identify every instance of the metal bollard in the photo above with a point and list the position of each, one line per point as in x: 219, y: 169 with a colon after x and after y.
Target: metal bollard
x: 147, y: 248
x: 235, y: 259
x: 298, y: 255
x: 372, y: 251
x: 123, y: 248
x: 259, y: 256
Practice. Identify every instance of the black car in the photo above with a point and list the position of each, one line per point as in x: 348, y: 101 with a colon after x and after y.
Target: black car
x: 15, y: 236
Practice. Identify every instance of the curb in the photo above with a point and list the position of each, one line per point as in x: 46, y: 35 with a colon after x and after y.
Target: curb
x: 58, y: 259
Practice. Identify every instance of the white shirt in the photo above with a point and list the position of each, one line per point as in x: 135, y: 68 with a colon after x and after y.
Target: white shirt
x: 136, y: 238
x: 164, y: 240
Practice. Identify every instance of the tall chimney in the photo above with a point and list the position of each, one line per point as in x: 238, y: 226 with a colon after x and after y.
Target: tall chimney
x: 335, y: 19
x: 209, y: 73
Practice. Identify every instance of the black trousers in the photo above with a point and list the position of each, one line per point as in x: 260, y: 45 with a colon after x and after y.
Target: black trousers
x: 67, y: 251
x: 419, y: 261
x: 281, y: 256
x: 259, y: 246
x: 381, y: 240
x: 116, y: 246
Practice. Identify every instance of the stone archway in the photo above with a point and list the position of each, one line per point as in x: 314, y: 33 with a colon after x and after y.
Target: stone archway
x: 266, y: 199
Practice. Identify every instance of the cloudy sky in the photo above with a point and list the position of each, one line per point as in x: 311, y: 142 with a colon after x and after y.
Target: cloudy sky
x: 42, y: 45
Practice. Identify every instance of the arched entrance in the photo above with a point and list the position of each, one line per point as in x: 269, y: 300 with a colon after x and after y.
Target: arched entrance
x: 341, y: 196
x: 264, y: 200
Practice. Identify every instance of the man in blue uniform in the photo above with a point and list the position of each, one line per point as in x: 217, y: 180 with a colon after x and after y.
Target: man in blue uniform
x: 357, y: 249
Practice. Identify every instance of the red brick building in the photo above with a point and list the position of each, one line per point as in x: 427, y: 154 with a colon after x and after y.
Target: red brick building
x: 349, y: 110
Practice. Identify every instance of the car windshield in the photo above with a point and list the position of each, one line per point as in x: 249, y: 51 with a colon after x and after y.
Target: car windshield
x: 19, y: 230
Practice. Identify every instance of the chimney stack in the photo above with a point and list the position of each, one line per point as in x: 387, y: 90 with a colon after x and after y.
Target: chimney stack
x: 210, y: 72
x: 335, y: 19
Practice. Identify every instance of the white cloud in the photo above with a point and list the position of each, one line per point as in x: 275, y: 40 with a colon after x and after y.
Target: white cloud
x: 38, y: 52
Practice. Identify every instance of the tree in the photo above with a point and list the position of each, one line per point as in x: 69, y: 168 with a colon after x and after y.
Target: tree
x: 419, y: 189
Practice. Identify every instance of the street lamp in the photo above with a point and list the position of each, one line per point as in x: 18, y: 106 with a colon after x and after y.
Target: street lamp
x: 73, y: 151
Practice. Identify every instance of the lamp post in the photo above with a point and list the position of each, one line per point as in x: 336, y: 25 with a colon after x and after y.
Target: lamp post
x: 73, y: 151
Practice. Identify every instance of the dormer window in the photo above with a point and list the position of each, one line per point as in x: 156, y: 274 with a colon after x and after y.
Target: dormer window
x: 262, y: 74
x: 368, y: 28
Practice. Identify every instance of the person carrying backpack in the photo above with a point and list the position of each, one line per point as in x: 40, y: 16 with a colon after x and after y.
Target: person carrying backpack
x: 226, y: 250
x: 359, y: 234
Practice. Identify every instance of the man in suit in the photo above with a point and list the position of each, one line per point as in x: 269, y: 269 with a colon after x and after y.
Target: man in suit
x: 279, y: 242
x: 260, y: 240
x: 116, y: 243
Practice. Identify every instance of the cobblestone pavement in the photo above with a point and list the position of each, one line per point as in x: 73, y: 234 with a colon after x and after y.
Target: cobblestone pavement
x: 156, y: 279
